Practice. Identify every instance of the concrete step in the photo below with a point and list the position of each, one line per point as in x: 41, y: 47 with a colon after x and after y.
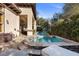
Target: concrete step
x: 34, y: 52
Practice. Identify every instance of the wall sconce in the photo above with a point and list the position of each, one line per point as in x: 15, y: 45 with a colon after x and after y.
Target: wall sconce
x: 7, y: 21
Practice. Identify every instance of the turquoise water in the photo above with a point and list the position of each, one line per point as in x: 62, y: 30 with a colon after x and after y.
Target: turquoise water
x: 42, y: 33
x: 44, y: 38
x: 47, y: 39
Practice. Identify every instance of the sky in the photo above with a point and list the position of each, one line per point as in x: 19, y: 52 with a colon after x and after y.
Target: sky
x: 47, y: 10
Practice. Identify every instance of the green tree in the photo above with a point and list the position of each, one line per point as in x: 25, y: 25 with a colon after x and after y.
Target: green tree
x: 71, y: 9
x: 69, y: 28
x: 43, y: 23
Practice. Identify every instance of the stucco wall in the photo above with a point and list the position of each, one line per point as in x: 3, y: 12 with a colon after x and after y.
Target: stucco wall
x: 29, y: 13
x: 13, y: 21
x: 34, y: 24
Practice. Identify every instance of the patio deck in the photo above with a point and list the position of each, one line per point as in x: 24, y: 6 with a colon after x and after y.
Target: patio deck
x: 58, y: 51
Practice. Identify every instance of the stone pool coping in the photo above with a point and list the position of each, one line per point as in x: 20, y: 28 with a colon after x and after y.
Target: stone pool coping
x: 66, y: 42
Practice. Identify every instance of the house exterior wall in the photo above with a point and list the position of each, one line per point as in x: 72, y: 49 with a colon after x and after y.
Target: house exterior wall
x: 29, y: 13
x: 35, y: 25
x: 11, y: 22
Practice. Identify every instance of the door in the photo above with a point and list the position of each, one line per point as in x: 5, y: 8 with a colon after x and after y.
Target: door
x: 23, y: 24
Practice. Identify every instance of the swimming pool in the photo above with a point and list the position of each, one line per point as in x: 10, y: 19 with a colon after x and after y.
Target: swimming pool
x: 47, y: 39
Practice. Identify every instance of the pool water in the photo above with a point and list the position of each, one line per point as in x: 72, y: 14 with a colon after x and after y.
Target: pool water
x: 47, y: 39
x: 41, y: 33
